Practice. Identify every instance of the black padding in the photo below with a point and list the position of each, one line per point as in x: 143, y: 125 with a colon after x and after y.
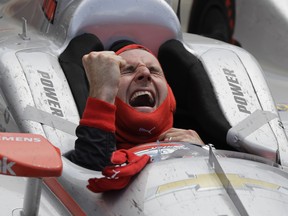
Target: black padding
x: 120, y: 44
x: 71, y: 63
x: 197, y: 106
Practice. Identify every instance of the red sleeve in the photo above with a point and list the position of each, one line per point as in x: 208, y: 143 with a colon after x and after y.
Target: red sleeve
x: 99, y: 114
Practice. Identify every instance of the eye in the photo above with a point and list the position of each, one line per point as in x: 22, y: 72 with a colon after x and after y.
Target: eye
x: 128, y: 70
x: 155, y: 70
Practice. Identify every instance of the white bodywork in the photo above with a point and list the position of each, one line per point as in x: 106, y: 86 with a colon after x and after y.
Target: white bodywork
x: 261, y: 28
x: 35, y: 98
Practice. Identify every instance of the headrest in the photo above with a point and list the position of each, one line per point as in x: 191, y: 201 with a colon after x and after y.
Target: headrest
x: 126, y: 20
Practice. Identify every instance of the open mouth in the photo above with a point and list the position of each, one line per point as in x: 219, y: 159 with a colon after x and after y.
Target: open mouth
x: 142, y: 99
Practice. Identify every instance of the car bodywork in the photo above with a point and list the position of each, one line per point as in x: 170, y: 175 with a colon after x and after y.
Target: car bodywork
x: 36, y: 98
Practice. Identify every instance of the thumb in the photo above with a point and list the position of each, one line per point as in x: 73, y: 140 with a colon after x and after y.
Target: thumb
x: 162, y: 136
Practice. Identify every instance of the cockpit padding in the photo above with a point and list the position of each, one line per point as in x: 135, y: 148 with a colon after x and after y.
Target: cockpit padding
x: 197, y: 106
x: 71, y: 63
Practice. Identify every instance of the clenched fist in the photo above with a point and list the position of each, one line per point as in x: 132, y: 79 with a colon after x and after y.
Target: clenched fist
x: 103, y: 73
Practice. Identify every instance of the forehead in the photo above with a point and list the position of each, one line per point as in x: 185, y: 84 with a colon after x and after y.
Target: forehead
x: 139, y: 55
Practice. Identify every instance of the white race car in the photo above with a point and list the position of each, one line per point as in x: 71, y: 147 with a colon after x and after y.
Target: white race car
x: 220, y: 90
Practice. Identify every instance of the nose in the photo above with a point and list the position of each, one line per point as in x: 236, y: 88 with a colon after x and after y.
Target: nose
x: 143, y: 74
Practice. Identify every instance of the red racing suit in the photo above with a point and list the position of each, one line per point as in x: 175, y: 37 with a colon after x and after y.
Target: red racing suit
x: 96, y: 138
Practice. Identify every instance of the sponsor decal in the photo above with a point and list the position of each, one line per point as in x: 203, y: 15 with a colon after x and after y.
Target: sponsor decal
x: 236, y: 91
x: 50, y: 92
x: 19, y: 139
x: 146, y: 130
x: 6, y: 168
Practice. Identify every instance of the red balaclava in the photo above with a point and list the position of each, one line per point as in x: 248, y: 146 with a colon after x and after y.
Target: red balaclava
x: 134, y: 127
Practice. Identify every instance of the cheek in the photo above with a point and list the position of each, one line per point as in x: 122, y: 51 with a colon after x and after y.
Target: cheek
x: 123, y: 87
x: 163, y: 91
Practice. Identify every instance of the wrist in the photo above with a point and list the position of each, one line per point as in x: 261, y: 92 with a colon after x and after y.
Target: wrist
x: 99, y: 114
x: 106, y: 94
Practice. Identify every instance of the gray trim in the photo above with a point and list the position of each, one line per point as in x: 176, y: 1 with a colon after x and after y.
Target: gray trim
x: 34, y: 114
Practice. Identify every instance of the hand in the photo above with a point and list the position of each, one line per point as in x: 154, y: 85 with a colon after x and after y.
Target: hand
x: 181, y: 135
x: 126, y: 165
x: 103, y: 73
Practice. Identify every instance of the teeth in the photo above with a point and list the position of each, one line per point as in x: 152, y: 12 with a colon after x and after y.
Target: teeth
x: 142, y: 98
x: 139, y: 93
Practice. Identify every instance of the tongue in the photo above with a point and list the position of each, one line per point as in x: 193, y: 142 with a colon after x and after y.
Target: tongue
x: 142, y: 100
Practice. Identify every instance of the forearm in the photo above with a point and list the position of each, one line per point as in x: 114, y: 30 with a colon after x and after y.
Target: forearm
x: 93, y: 148
x: 96, y: 135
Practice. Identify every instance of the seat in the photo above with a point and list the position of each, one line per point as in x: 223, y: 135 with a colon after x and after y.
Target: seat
x: 197, y: 106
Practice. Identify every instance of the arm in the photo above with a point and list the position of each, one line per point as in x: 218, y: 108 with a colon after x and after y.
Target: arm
x: 93, y: 148
x: 103, y: 73
x: 96, y: 132
x: 96, y: 136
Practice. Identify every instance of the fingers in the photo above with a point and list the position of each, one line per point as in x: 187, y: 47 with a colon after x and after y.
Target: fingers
x: 102, y: 56
x: 170, y: 134
x: 181, y: 135
x: 103, y: 74
x: 93, y: 55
